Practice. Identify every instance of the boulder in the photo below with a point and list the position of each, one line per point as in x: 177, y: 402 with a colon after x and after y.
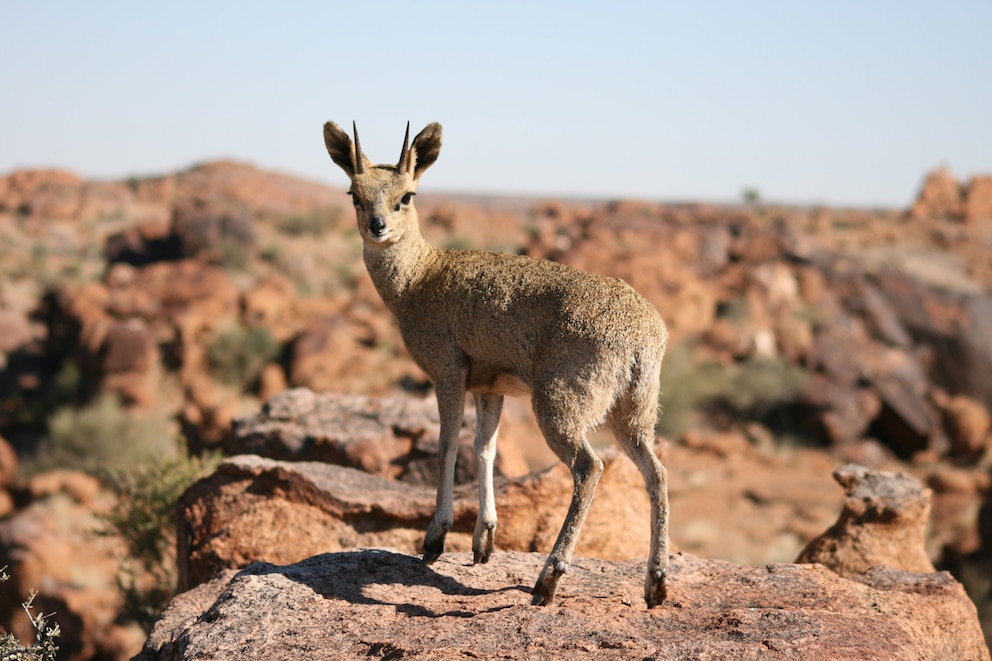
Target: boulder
x: 208, y: 225
x: 128, y: 362
x: 954, y: 325
x: 49, y: 546
x: 384, y: 603
x: 393, y: 437
x: 941, y: 196
x: 883, y: 522
x: 15, y: 331
x: 42, y: 194
x: 978, y: 200
x: 145, y: 242
x: 968, y: 423
x: 254, y: 509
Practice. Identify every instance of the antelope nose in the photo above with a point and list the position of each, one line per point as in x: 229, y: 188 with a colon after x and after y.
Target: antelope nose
x: 377, y: 225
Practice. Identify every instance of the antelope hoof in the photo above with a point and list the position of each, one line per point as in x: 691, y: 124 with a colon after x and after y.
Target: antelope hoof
x: 433, y: 548
x: 547, y: 584
x: 542, y: 598
x: 482, y: 549
x: 655, y: 591
x: 481, y: 556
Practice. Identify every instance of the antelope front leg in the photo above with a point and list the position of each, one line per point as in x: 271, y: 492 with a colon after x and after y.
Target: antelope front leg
x: 487, y: 412
x: 451, y: 410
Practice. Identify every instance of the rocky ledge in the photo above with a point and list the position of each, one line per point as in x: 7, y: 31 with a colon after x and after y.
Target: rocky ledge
x: 381, y: 603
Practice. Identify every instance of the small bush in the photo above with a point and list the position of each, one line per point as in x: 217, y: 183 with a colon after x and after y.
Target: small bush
x: 315, y: 223
x: 43, y: 647
x: 103, y: 436
x: 144, y: 521
x: 747, y: 390
x: 237, y: 355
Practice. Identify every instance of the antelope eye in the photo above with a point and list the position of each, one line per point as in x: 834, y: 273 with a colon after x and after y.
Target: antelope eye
x: 405, y: 200
x: 354, y: 200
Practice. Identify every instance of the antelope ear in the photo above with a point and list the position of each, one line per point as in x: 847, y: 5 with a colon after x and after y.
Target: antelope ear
x: 425, y: 149
x: 340, y: 148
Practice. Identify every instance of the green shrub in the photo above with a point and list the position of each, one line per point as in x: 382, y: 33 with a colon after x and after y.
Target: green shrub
x: 745, y: 390
x: 103, y: 436
x: 237, y: 354
x: 315, y: 223
x: 144, y: 521
x: 234, y: 255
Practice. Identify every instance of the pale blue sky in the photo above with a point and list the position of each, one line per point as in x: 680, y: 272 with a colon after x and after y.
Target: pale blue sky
x: 847, y: 102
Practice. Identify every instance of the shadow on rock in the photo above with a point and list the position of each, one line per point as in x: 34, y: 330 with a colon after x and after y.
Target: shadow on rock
x: 351, y: 575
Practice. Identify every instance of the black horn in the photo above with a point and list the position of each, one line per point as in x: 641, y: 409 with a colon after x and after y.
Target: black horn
x: 359, y: 156
x: 405, y: 154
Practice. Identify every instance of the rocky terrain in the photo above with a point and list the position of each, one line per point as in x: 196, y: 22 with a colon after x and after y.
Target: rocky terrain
x: 228, y: 307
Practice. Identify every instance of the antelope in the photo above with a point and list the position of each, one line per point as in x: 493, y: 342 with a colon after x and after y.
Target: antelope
x: 586, y: 347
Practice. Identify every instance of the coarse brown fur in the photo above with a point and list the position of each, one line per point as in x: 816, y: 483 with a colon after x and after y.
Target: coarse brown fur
x: 588, y: 349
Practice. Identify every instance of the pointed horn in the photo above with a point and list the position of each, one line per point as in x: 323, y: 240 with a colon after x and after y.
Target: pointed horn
x: 359, y: 156
x: 405, y: 154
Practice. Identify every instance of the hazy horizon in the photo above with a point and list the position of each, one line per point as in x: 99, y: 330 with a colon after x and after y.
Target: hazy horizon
x: 847, y: 103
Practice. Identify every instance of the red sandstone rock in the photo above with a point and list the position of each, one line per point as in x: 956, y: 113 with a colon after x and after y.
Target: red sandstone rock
x: 50, y: 546
x: 883, y: 522
x: 259, y: 509
x: 978, y: 200
x: 940, y: 196
x: 387, y: 604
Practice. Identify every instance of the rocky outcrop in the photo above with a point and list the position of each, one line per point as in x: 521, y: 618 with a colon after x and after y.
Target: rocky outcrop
x: 943, y: 196
x: 392, y: 437
x: 113, y: 329
x: 383, y: 603
x: 50, y: 546
x: 883, y: 522
x: 254, y: 509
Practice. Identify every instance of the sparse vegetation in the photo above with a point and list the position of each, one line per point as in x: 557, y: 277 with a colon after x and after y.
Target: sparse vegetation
x: 45, y: 633
x: 234, y: 255
x: 315, y: 223
x: 143, y: 520
x: 747, y: 390
x: 103, y: 435
x: 237, y: 354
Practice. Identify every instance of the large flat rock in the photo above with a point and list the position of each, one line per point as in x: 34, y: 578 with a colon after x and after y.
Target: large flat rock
x: 385, y: 604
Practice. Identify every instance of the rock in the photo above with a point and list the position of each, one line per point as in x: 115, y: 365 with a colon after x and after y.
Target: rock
x: 128, y: 362
x: 209, y: 225
x: 259, y: 509
x: 342, y: 347
x: 882, y: 318
x: 845, y: 412
x: 8, y: 464
x: 955, y: 325
x: 115, y: 327
x: 968, y: 424
x: 940, y: 196
x: 42, y: 194
x: 207, y: 415
x: 267, y: 194
x: 387, y: 604
x: 271, y: 381
x: 978, y: 200
x: 146, y: 242
x: 907, y: 421
x: 883, y: 522
x: 393, y: 437
x: 15, y: 330
x: 50, y: 546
